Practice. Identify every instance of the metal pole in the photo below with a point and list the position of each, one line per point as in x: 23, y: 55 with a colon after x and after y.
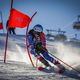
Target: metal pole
x: 11, y: 4
x: 6, y: 45
x: 27, y: 41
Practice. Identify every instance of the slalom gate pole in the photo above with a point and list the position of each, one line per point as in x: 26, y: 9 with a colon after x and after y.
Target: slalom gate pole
x: 6, y: 45
x: 27, y: 41
x: 30, y: 57
x: 64, y: 62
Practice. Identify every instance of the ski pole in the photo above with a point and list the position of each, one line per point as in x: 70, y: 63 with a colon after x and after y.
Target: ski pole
x: 36, y: 62
x: 64, y: 62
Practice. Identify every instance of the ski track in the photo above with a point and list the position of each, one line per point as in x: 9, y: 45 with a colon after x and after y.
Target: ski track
x: 14, y: 69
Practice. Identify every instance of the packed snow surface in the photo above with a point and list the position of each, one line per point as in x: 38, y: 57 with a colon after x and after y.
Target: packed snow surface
x: 18, y: 65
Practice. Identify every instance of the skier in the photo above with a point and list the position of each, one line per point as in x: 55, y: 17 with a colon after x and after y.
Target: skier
x: 37, y: 46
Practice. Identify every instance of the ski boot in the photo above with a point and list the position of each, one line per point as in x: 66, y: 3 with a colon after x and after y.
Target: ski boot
x: 40, y: 68
x: 60, y: 67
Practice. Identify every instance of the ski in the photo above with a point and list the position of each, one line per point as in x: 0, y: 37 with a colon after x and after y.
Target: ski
x: 66, y: 72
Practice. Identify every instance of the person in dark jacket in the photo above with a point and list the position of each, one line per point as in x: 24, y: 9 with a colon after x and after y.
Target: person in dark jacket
x: 11, y: 30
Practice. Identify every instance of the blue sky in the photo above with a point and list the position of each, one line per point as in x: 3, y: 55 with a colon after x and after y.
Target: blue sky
x: 51, y: 14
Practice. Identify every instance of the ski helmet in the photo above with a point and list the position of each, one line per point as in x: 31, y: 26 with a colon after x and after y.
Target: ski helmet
x: 38, y: 28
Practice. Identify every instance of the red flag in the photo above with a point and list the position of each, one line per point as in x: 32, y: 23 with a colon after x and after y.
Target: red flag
x: 1, y: 25
x: 18, y: 19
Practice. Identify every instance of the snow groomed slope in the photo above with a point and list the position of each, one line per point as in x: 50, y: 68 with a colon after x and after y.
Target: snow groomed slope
x: 18, y: 66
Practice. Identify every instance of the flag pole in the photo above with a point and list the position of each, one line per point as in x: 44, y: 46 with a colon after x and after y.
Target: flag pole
x: 11, y: 4
x: 27, y: 41
x: 6, y: 45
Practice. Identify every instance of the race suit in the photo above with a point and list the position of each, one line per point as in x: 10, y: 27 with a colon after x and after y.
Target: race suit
x: 33, y: 39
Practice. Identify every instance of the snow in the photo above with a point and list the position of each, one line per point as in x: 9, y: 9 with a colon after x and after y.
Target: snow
x: 18, y: 66
x: 20, y: 71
